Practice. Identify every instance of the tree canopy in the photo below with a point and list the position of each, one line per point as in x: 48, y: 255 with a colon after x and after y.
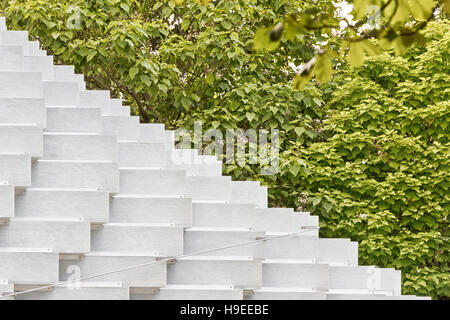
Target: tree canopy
x: 366, y: 149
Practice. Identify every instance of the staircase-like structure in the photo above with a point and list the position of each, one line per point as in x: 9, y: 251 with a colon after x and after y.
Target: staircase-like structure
x: 85, y: 189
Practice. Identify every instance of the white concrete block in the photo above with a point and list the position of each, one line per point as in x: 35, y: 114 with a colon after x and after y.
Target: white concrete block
x: 65, y: 73
x: 21, y: 138
x: 11, y: 51
x: 240, y: 272
x: 145, y: 209
x: 74, y: 119
x: 152, y: 132
x: 15, y: 169
x: 193, y: 292
x: 274, y: 293
x: 80, y: 146
x: 365, y: 278
x: 294, y: 273
x: 12, y: 63
x: 249, y: 191
x: 94, y: 263
x: 32, y: 48
x: 96, y: 98
x: 208, y: 188
x: 371, y: 296
x: 125, y: 128
x: 133, y: 154
x: 64, y: 236
x: 292, y: 247
x: 42, y: 64
x: 91, y: 292
x: 152, y: 182
x: 224, y: 215
x: 336, y: 251
x: 13, y: 37
x: 2, y: 24
x: 17, y: 84
x: 29, y: 266
x: 90, y: 205
x: 202, y: 239
x: 101, y: 175
x: 61, y: 93
x: 23, y: 111
x: 6, y: 201
x: 164, y: 240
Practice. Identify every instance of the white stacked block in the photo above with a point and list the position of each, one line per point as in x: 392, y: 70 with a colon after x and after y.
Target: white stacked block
x: 6, y: 201
x: 15, y: 169
x: 13, y: 37
x: 150, y: 209
x: 36, y: 63
x: 365, y: 278
x: 95, y: 98
x: 15, y: 84
x: 152, y: 132
x: 152, y: 182
x: 124, y: 128
x: 229, y: 241
x: 91, y: 205
x: 83, y: 291
x: 134, y: 154
x: 249, y: 191
x: 116, y: 108
x: 29, y: 266
x: 95, y: 263
x: 224, y: 215
x: 208, y: 188
x: 101, y: 175
x: 163, y: 240
x: 23, y: 111
x: 65, y: 236
x: 337, y: 251
x: 21, y: 138
x: 80, y: 146
x: 283, y: 220
x: 74, y: 119
x: 295, y: 247
x: 2, y: 24
x: 240, y: 272
x: 275, y: 293
x: 193, y: 292
x: 61, y: 93
x: 7, y: 51
x: 295, y: 273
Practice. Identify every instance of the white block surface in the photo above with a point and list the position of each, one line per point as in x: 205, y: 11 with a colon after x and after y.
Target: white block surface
x: 23, y: 111
x: 90, y: 205
x: 101, y: 175
x: 74, y: 119
x: 58, y: 235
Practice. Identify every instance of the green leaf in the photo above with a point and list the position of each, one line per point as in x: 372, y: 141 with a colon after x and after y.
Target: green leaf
x: 422, y: 9
x: 250, y: 116
x: 356, y: 54
x: 133, y: 72
x: 210, y: 78
x: 262, y: 40
x: 324, y: 68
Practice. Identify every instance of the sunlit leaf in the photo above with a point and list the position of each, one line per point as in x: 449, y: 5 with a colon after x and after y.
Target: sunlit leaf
x: 324, y: 68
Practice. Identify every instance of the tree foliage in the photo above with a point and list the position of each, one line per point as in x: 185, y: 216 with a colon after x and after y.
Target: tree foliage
x: 367, y: 151
x: 382, y: 174
x: 396, y: 24
x: 169, y: 61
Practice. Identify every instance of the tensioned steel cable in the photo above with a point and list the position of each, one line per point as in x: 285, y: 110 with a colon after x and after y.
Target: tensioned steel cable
x: 290, y: 234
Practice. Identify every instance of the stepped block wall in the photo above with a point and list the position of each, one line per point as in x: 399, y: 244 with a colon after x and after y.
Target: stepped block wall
x: 86, y: 189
